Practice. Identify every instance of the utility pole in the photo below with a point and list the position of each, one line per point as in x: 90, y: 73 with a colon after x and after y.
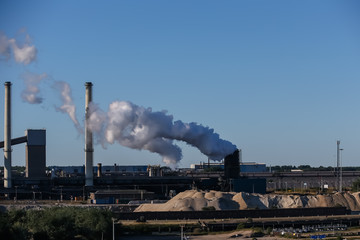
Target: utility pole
x: 338, y: 165
x: 341, y: 172
x: 16, y: 193
x: 61, y: 193
x: 113, y: 233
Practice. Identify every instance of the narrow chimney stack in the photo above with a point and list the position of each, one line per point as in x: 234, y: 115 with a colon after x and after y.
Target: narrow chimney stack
x: 7, y: 136
x: 89, y: 150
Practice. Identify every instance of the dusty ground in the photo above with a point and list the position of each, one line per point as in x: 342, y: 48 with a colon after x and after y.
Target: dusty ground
x: 193, y: 200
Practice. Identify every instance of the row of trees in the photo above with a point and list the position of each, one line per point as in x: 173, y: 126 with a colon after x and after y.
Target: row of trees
x: 56, y: 223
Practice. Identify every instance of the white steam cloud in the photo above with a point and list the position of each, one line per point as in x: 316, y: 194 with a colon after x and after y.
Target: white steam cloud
x: 68, y: 105
x: 31, y: 93
x: 23, y: 53
x: 125, y: 123
x: 140, y: 128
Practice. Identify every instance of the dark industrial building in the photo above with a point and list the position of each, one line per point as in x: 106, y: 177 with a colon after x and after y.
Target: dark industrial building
x: 35, y: 153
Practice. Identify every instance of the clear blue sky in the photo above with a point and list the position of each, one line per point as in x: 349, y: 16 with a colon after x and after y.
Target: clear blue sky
x: 280, y: 79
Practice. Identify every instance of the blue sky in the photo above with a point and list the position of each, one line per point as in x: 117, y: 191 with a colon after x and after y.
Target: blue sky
x: 279, y: 79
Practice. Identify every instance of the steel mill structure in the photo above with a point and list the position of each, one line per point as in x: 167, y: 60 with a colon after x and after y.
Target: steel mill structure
x: 37, y: 182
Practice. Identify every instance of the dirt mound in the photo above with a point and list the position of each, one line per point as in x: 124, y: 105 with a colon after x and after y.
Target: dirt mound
x: 193, y: 200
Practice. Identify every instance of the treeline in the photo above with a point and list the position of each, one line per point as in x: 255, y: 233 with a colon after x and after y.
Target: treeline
x: 288, y: 168
x: 17, y: 169
x: 56, y: 223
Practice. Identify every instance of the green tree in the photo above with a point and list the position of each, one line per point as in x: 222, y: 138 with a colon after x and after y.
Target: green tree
x: 55, y: 223
x: 13, y: 225
x: 356, y: 185
x: 93, y: 223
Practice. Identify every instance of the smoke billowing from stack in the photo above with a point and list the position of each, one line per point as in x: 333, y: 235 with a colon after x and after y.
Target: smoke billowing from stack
x: 140, y: 128
x: 7, y: 136
x: 24, y: 54
x: 68, y: 105
x: 89, y: 151
x: 126, y: 123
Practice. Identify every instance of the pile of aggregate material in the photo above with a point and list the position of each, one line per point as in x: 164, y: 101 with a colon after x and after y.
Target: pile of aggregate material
x: 194, y: 200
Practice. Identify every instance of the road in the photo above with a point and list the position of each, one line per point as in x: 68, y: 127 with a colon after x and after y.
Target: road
x: 242, y: 235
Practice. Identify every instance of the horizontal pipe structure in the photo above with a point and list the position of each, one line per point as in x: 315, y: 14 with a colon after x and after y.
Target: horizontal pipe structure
x: 15, y: 141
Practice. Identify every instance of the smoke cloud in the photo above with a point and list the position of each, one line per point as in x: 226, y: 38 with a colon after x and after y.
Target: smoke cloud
x: 140, y: 128
x: 31, y: 93
x: 130, y: 125
x: 23, y: 53
x: 68, y: 105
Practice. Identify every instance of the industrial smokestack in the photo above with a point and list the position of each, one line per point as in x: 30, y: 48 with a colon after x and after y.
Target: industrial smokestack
x: 338, y: 165
x: 89, y: 151
x: 7, y: 136
x: 232, y: 165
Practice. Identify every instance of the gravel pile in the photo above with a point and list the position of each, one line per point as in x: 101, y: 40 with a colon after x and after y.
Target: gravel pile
x: 194, y: 200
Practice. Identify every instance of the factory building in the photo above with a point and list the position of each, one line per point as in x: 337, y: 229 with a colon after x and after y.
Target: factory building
x: 120, y: 196
x: 245, y: 167
x: 35, y: 153
x: 100, y: 169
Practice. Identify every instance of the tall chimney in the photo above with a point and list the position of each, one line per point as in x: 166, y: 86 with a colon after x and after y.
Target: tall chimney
x: 7, y: 136
x: 89, y: 151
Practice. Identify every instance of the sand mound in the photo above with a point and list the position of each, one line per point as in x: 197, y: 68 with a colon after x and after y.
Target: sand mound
x: 193, y: 200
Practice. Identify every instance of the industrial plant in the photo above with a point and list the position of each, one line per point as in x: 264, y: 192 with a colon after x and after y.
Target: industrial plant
x: 122, y: 184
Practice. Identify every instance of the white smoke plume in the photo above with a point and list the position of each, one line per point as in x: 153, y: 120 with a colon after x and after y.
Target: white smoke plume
x: 68, y: 105
x: 23, y: 53
x: 126, y: 123
x: 141, y: 128
x: 31, y: 93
